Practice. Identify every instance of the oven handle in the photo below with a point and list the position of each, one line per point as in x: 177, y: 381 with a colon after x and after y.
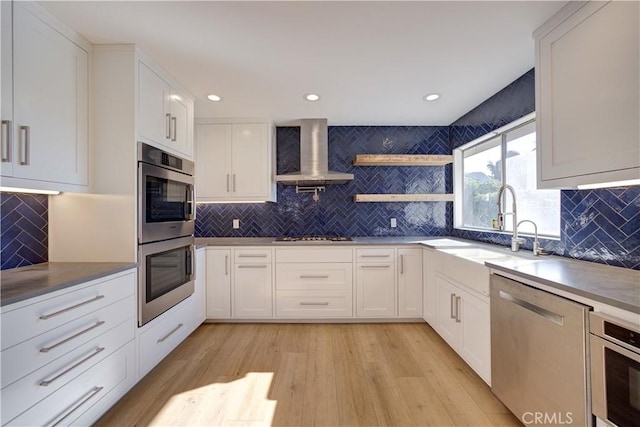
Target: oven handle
x: 189, y: 205
x: 190, y: 262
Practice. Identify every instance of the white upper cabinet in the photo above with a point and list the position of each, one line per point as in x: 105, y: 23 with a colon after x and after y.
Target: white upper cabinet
x: 165, y: 114
x: 587, y: 95
x: 45, y: 122
x: 234, y: 162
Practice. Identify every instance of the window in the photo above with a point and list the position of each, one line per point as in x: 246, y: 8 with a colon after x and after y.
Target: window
x: 507, y: 156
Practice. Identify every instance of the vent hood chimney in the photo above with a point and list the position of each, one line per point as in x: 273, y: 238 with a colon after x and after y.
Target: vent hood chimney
x: 314, y: 158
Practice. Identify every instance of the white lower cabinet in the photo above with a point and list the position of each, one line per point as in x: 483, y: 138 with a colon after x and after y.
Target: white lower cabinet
x: 218, y: 283
x: 375, y: 283
x: 70, y: 354
x: 252, y: 283
x: 428, y: 286
x: 199, y: 297
x: 409, y: 282
x: 463, y: 321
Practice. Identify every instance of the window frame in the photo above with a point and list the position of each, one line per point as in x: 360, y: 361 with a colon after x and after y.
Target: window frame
x: 458, y: 176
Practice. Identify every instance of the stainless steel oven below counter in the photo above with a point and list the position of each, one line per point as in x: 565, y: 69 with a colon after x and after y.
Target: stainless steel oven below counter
x: 166, y: 207
x: 615, y: 370
x: 166, y: 275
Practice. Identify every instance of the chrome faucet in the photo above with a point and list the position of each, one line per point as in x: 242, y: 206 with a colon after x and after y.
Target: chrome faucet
x: 499, y: 223
x: 536, y: 245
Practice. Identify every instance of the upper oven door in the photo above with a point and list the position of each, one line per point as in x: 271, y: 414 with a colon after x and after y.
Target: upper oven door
x: 165, y: 204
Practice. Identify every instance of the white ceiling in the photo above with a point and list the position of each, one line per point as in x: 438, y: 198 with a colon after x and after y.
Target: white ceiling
x: 371, y: 62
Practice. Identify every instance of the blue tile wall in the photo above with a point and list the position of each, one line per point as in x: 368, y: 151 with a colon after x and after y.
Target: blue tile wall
x: 24, y: 229
x: 596, y: 225
x: 336, y: 213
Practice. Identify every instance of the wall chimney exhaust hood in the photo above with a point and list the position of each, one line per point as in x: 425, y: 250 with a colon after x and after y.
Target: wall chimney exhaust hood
x: 314, y: 158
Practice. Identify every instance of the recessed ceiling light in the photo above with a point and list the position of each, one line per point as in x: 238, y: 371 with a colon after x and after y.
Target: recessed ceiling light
x: 214, y: 98
x: 312, y: 97
x: 431, y: 97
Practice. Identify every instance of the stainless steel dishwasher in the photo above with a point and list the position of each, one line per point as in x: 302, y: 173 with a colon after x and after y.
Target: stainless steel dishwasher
x: 539, y: 353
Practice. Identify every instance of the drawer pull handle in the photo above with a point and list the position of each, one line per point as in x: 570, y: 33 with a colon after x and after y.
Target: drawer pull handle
x: 66, y: 340
x: 375, y: 256
x: 314, y: 303
x: 48, y: 316
x: 45, y: 383
x: 88, y: 397
x: 170, y: 333
x: 252, y: 255
x: 375, y: 266
x: 314, y: 276
x: 253, y: 266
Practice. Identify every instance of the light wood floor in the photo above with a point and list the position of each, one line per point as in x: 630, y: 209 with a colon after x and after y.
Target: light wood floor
x: 311, y: 375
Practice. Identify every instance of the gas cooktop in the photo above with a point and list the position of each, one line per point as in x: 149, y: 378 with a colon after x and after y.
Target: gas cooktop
x: 308, y: 239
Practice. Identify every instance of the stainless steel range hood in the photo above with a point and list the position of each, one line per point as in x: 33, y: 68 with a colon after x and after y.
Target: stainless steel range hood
x: 314, y: 158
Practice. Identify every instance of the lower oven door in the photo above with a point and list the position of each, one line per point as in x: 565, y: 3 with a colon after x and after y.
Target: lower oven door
x: 615, y: 383
x: 166, y: 274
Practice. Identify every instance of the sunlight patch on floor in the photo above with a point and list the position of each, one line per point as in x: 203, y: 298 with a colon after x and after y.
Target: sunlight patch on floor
x: 241, y: 402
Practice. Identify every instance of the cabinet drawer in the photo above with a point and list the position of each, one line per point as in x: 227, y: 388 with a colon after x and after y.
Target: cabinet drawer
x: 48, y: 314
x: 252, y: 256
x: 39, y: 384
x: 375, y: 255
x: 30, y: 355
x: 312, y: 304
x: 307, y: 254
x: 81, y: 394
x: 164, y: 335
x: 337, y: 276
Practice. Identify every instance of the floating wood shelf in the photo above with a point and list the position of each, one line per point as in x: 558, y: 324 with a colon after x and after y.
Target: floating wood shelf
x: 402, y: 160
x: 403, y: 198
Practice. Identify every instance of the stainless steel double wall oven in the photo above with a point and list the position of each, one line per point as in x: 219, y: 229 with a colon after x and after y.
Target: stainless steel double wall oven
x: 166, y: 210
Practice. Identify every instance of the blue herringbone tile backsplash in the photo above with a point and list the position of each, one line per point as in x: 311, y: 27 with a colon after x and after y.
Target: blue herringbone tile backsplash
x: 25, y: 229
x: 336, y: 213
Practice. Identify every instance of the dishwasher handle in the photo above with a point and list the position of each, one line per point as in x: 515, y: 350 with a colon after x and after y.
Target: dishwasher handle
x: 558, y: 319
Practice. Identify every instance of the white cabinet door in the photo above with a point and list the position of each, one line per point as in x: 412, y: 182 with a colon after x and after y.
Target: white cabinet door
x: 475, y: 334
x: 213, y: 162
x: 587, y: 103
x: 154, y: 117
x: 409, y: 282
x: 375, y: 290
x: 50, y: 102
x: 446, y: 323
x: 181, y: 123
x: 252, y: 290
x: 218, y: 283
x: 250, y: 161
x: 429, y: 286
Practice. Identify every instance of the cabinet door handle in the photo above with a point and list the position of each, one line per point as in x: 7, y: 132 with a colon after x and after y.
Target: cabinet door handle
x: 73, y: 307
x: 234, y: 182
x: 83, y: 400
x: 375, y: 266
x: 66, y: 340
x: 401, y: 264
x: 452, y: 299
x: 253, y: 266
x: 45, y: 383
x: 375, y: 256
x: 167, y: 133
x: 174, y: 123
x: 26, y: 144
x: 226, y: 265
x: 7, y: 142
x: 314, y: 303
x: 252, y: 255
x: 458, y: 309
x: 227, y: 183
x: 314, y: 276
x: 173, y: 331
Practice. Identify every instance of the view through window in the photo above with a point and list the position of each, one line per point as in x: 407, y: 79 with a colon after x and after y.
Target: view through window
x: 510, y: 158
